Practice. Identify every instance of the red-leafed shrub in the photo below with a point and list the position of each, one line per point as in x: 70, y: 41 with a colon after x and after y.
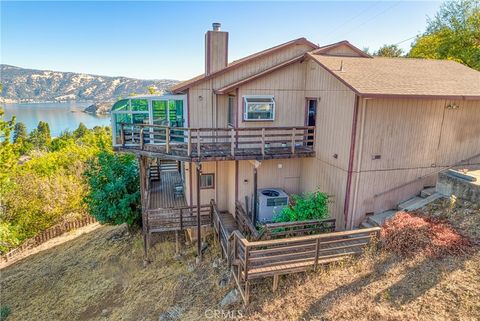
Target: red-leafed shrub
x: 407, y: 234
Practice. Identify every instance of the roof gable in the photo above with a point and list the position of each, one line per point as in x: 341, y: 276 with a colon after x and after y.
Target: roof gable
x: 343, y: 49
x: 240, y: 62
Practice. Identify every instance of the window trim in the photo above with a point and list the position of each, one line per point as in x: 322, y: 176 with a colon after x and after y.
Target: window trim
x: 213, y: 181
x: 245, y: 106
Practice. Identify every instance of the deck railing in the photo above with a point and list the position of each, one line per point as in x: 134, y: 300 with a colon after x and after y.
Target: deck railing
x: 176, y: 219
x: 197, y: 142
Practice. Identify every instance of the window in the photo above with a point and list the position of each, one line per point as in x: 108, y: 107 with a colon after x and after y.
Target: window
x: 207, y: 181
x: 231, y: 111
x: 259, y: 108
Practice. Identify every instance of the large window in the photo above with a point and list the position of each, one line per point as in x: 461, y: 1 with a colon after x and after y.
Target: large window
x: 259, y: 108
x: 231, y: 111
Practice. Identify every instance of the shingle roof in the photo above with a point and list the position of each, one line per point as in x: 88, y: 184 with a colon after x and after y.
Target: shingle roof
x: 403, y: 76
x: 234, y: 64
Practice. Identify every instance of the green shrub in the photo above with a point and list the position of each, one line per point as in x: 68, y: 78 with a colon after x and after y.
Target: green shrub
x: 114, y: 189
x: 4, y: 312
x: 307, y: 206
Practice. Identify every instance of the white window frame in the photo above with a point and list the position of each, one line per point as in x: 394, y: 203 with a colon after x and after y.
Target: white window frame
x: 246, y: 103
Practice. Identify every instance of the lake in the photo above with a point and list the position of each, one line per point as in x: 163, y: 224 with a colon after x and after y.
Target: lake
x: 60, y: 116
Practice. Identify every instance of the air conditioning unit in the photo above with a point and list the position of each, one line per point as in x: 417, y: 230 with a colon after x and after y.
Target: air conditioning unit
x: 270, y: 202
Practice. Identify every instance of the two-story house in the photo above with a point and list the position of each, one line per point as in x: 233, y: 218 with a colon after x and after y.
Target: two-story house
x: 369, y: 131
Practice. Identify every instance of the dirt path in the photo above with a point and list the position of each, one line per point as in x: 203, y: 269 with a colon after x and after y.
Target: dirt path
x: 51, y: 243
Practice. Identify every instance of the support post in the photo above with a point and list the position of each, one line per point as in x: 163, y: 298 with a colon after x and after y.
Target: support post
x: 263, y: 141
x: 141, y: 138
x: 199, y: 226
x: 167, y: 140
x: 255, y: 188
x: 232, y: 142
x: 122, y: 134
x: 275, y: 282
x: 198, y: 143
x: 293, y: 141
x: 143, y: 186
x: 189, y: 143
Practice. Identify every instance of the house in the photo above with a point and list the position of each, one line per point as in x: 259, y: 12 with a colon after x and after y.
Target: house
x: 369, y: 131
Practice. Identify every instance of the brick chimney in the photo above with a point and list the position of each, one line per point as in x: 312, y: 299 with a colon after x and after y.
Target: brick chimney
x: 216, y: 49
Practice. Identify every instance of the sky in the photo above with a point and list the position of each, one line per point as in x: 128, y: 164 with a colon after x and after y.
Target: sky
x: 157, y: 40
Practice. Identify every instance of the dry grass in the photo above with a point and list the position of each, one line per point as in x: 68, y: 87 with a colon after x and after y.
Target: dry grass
x: 100, y: 276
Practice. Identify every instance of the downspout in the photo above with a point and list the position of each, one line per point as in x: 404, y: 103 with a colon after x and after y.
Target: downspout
x: 359, y: 160
x: 350, y: 161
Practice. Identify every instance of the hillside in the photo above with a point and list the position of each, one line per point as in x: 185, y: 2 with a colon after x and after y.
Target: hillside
x: 100, y: 276
x: 30, y: 85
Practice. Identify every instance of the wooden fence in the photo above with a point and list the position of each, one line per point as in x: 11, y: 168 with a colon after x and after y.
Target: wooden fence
x: 48, y: 234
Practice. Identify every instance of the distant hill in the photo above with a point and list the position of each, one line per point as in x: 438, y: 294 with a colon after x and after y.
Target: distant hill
x: 30, y: 85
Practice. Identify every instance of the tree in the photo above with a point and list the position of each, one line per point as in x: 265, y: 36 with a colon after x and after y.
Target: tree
x: 454, y: 33
x: 114, y: 190
x: 40, y: 137
x: 8, y: 158
x: 389, y: 51
x: 81, y: 131
x: 20, y: 133
x: 152, y: 89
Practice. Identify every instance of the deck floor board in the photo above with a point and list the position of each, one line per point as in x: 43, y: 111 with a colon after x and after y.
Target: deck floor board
x: 162, y: 192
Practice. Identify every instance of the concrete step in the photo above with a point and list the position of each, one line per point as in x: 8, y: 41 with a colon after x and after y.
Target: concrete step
x: 365, y: 224
x: 421, y: 202
x: 403, y: 205
x: 426, y: 192
x: 380, y: 218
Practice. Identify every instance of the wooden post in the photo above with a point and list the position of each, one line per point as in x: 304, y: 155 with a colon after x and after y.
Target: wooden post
x: 199, y: 226
x: 263, y: 141
x: 275, y: 282
x: 232, y: 142
x: 317, y: 249
x: 255, y: 188
x: 141, y: 137
x: 143, y: 176
x: 181, y: 219
x: 293, y: 141
x: 189, y: 143
x: 122, y: 134
x: 198, y: 143
x: 167, y: 140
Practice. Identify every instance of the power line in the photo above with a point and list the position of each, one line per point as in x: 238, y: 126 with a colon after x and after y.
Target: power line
x: 374, y: 17
x: 405, y: 40
x: 331, y: 32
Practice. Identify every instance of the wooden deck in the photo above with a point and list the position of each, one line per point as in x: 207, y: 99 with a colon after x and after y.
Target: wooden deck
x: 210, y: 144
x: 162, y: 192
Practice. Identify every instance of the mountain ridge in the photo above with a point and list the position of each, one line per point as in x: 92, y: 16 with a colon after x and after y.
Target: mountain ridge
x: 36, y: 85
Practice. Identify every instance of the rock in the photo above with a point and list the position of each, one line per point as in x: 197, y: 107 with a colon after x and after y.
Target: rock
x: 104, y: 312
x: 224, y: 281
x: 99, y: 108
x: 231, y: 297
x: 174, y: 313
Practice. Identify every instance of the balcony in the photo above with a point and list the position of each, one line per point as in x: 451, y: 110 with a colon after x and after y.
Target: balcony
x: 210, y: 144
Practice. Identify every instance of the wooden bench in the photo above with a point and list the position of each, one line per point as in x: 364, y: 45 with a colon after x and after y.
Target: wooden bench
x: 289, y: 229
x: 260, y: 259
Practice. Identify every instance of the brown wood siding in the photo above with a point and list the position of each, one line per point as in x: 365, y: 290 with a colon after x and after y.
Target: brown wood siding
x: 287, y: 87
x: 269, y: 175
x: 414, y: 137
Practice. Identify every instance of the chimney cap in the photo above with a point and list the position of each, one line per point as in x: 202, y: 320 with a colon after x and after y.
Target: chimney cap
x: 216, y: 26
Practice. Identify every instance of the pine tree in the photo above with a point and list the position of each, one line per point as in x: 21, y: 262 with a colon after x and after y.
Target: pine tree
x: 20, y: 133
